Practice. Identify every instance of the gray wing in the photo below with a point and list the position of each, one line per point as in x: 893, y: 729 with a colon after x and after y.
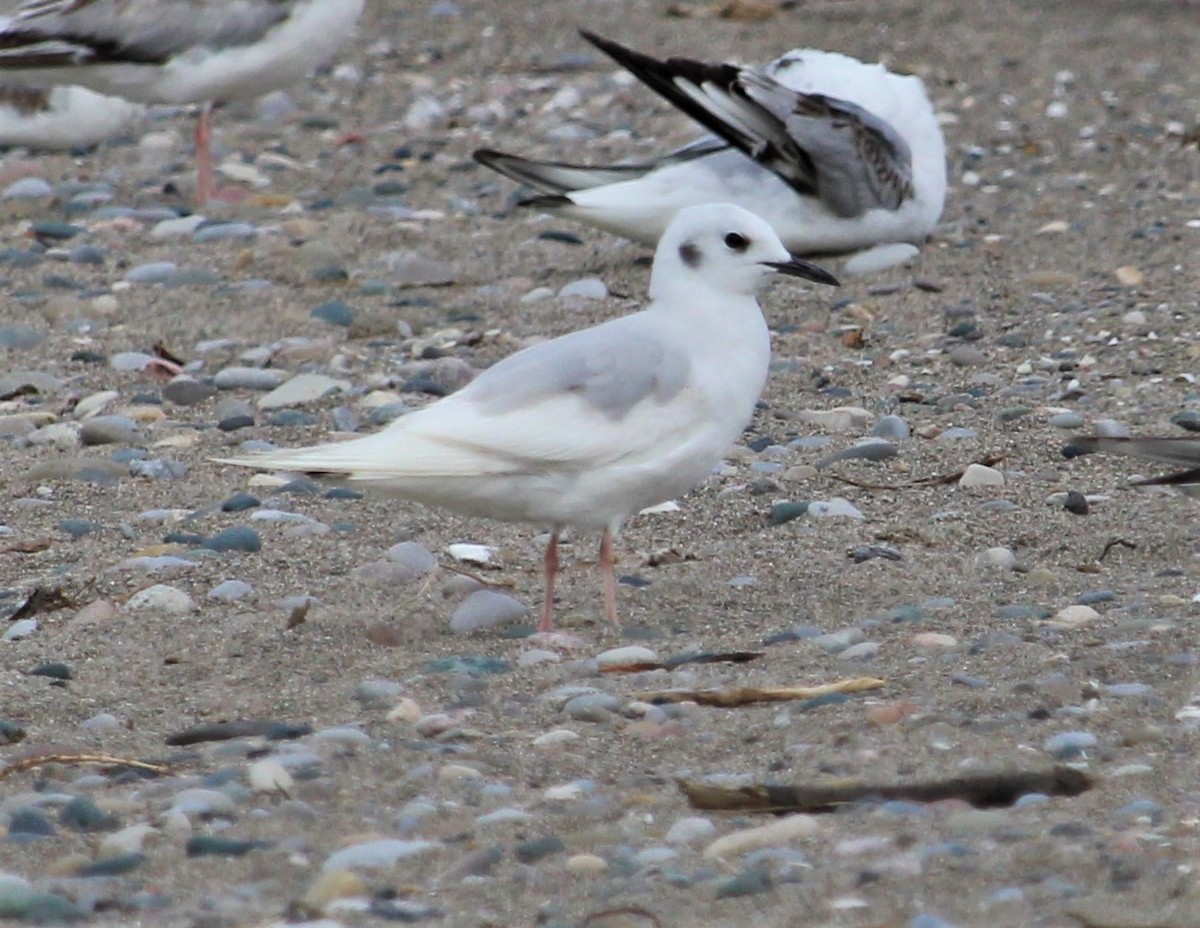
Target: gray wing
x: 53, y: 33
x: 1181, y: 451
x: 611, y: 367
x: 557, y: 178
x: 821, y: 146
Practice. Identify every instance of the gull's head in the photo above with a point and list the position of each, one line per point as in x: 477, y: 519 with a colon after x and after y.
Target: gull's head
x: 725, y: 248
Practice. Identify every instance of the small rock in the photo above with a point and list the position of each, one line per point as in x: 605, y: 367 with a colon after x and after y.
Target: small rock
x: 485, y: 609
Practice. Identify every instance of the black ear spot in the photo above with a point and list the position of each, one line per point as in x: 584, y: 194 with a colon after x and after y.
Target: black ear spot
x: 690, y: 255
x: 735, y: 241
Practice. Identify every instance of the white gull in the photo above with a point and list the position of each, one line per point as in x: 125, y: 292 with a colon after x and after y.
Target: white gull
x: 590, y: 428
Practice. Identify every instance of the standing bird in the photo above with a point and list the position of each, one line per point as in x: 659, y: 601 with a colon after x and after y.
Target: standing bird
x: 1183, y: 452
x: 174, y: 51
x: 835, y: 154
x: 588, y: 429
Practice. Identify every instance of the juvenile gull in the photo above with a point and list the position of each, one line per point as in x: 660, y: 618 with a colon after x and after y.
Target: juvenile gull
x: 173, y: 51
x: 837, y: 155
x: 587, y: 429
x: 1184, y: 452
x: 62, y: 118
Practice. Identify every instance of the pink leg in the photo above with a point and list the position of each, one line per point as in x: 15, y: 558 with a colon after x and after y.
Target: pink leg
x: 204, y: 165
x: 610, y: 578
x: 551, y: 564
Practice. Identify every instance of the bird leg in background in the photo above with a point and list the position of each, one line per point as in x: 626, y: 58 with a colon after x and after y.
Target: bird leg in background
x: 546, y: 623
x: 610, y: 578
x: 204, y: 165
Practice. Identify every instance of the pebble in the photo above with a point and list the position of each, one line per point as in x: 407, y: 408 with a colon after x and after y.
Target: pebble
x: 237, y: 538
x: 412, y: 558
x: 592, y: 707
x: 379, y: 854
x: 247, y: 378
x: 620, y: 657
x: 775, y: 834
x: 1070, y: 745
x: 979, y: 475
x: 485, y: 609
x: 1074, y: 616
x: 998, y: 558
x: 162, y: 598
x: 230, y: 590
x: 108, y: 430
x: 586, y: 288
x: 187, y: 391
x: 301, y: 390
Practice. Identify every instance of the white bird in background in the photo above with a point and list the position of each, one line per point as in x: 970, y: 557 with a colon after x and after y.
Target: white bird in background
x: 1184, y: 452
x: 592, y: 427
x: 835, y: 154
x: 174, y: 51
x: 62, y: 118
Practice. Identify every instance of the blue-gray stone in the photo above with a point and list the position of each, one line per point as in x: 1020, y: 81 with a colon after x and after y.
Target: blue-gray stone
x: 82, y: 814
x: 87, y: 254
x: 1070, y: 745
x: 30, y: 822
x: 235, y: 538
x: 53, y: 229
x: 76, y: 528
x: 20, y: 337
x: 156, y: 272
x: 240, y: 502
x: 786, y: 512
x: 291, y: 418
x: 216, y: 846
x: 535, y: 849
x: 235, y: 422
x: 335, y: 312
x: 113, y: 866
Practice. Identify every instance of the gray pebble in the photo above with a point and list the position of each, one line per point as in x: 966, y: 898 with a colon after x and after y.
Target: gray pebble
x: 335, y: 312
x: 592, y: 707
x: 863, y: 651
x: 235, y: 538
x: 893, y: 428
x: 247, y: 378
x: 1070, y: 745
x: 20, y: 337
x: 230, y: 590
x: 108, y: 430
x: 414, y: 556
x: 586, y: 288
x: 485, y: 609
x: 156, y: 272
x: 378, y: 694
x: 187, y: 391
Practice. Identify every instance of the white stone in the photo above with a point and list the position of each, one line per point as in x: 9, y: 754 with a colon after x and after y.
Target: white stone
x: 302, y: 389
x: 980, y: 475
x: 162, y: 598
x: 630, y: 654
x: 270, y: 776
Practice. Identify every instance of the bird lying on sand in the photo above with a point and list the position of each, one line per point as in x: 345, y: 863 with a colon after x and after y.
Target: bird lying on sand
x: 590, y: 428
x: 837, y: 155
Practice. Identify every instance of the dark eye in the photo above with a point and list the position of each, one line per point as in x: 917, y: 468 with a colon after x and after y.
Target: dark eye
x: 736, y: 242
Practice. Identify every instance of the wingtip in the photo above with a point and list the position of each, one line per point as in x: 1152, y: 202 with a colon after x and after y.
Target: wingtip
x: 549, y: 201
